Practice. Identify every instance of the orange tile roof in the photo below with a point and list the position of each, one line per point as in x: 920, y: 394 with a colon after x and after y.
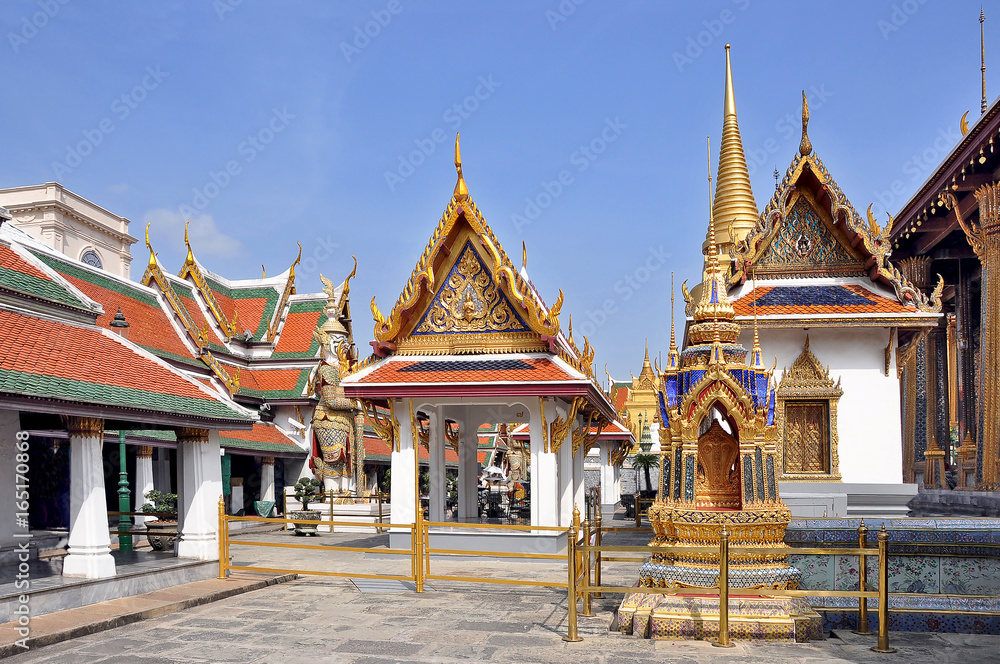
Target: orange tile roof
x: 287, y: 382
x: 263, y: 438
x: 377, y: 449
x: 535, y: 369
x: 296, y: 338
x: 10, y: 260
x: 49, y: 359
x: 196, y: 314
x: 816, y: 300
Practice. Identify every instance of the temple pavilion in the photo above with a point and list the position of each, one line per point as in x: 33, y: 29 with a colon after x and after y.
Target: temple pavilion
x: 835, y: 316
x: 471, y: 341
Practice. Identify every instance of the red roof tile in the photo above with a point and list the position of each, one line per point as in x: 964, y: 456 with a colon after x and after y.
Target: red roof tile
x: 10, y: 260
x: 528, y: 370
x: 297, y: 330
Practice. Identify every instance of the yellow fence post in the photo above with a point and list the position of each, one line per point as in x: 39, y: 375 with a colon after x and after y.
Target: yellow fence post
x: 597, y: 554
x: 862, y: 580
x: 723, y: 640
x: 329, y: 495
x: 380, y: 511
x: 223, y: 558
x: 883, y: 592
x: 418, y: 527
x: 571, y: 634
x: 586, y: 566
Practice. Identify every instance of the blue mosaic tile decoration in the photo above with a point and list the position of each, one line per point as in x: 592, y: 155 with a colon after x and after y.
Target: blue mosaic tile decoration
x: 677, y: 474
x: 815, y: 296
x: 662, y: 574
x: 920, y: 430
x: 772, y: 492
x: 665, y: 476
x: 689, y: 478
x: 747, y: 479
x: 758, y: 467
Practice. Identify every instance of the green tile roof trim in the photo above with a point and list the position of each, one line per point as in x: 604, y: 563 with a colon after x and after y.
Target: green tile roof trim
x: 115, y: 285
x: 52, y: 387
x: 46, y: 289
x: 257, y: 446
x: 166, y: 355
x: 161, y: 435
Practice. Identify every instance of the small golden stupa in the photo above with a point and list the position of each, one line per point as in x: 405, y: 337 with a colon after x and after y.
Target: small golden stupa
x: 718, y: 469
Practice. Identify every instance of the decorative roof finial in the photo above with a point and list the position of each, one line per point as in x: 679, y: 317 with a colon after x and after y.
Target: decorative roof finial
x: 291, y: 270
x: 461, y: 190
x: 805, y: 146
x: 524, y: 255
x: 190, y: 256
x: 263, y: 271
x: 152, y: 256
x: 734, y: 204
x: 758, y: 362
x: 982, y: 49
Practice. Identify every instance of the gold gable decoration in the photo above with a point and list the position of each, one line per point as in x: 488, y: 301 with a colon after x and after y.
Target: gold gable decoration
x: 543, y: 321
x: 193, y: 270
x: 806, y: 419
x: 863, y: 233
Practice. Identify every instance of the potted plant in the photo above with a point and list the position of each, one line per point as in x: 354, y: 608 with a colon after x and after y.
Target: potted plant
x: 161, y: 531
x: 307, y: 490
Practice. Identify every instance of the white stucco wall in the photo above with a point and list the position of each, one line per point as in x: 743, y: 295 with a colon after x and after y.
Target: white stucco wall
x: 868, y: 414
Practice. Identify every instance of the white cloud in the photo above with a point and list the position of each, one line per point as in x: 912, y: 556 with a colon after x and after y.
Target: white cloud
x: 206, y: 238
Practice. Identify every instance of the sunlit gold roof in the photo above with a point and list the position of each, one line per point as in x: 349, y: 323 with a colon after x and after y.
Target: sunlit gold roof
x: 714, y: 315
x: 734, y: 203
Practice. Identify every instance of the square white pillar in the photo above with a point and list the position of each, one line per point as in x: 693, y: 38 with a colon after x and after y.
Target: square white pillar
x: 468, y: 476
x: 437, y: 442
x: 143, y: 484
x: 565, y: 470
x: 267, y: 478
x: 579, y: 486
x: 610, y: 482
x: 544, y: 478
x: 404, y: 469
x: 200, y: 468
x: 89, y: 540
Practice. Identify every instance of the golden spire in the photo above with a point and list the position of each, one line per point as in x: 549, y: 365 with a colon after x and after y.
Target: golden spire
x: 734, y: 203
x: 756, y: 360
x: 647, y: 368
x: 672, y: 355
x: 982, y: 56
x: 524, y: 255
x: 190, y: 256
x: 152, y: 256
x: 263, y: 271
x: 805, y: 145
x: 291, y: 270
x: 461, y: 191
x: 714, y: 315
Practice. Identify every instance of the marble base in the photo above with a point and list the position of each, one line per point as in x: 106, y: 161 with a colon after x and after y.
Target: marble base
x: 693, y: 618
x: 89, y: 565
x: 811, y: 500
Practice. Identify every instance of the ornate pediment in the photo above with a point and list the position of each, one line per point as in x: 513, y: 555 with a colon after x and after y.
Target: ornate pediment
x: 804, y: 243
x: 808, y: 377
x: 470, y: 300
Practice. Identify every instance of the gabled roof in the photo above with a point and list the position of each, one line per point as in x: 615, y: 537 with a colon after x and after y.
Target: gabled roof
x: 810, y: 229
x: 22, y: 276
x: 269, y: 384
x: 264, y: 437
x: 296, y: 339
x: 48, y: 365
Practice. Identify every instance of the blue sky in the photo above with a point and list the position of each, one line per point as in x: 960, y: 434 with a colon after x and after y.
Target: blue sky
x: 269, y: 123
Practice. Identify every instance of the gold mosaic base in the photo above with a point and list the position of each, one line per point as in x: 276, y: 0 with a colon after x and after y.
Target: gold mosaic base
x: 696, y: 618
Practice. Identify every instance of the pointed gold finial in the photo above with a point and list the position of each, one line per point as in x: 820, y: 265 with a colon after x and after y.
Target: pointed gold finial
x: 347, y: 281
x: 757, y: 359
x: 291, y: 270
x: 805, y: 145
x: 263, y: 271
x: 190, y: 255
x: 461, y: 190
x: 734, y: 205
x: 570, y: 330
x: 152, y: 255
x: 524, y: 255
x: 672, y: 355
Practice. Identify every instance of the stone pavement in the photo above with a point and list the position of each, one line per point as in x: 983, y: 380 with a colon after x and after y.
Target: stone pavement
x: 316, y: 619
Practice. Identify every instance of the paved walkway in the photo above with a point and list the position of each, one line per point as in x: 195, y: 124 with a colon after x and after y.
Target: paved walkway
x: 320, y: 620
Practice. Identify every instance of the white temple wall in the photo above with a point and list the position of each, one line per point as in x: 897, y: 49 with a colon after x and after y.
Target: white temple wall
x: 868, y: 414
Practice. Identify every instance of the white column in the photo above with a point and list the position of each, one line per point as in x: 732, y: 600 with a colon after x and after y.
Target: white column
x: 579, y: 486
x: 10, y: 425
x: 201, y: 468
x: 143, y: 483
x: 89, y: 539
x: 468, y: 477
x: 404, y: 472
x: 267, y: 478
x: 564, y: 459
x: 544, y: 480
x: 610, y: 494
x: 437, y: 443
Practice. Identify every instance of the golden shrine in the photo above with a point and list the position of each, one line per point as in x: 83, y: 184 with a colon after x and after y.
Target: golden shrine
x: 718, y: 471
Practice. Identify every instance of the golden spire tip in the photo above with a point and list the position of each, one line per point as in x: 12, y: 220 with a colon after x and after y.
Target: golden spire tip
x: 461, y: 190
x: 805, y: 145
